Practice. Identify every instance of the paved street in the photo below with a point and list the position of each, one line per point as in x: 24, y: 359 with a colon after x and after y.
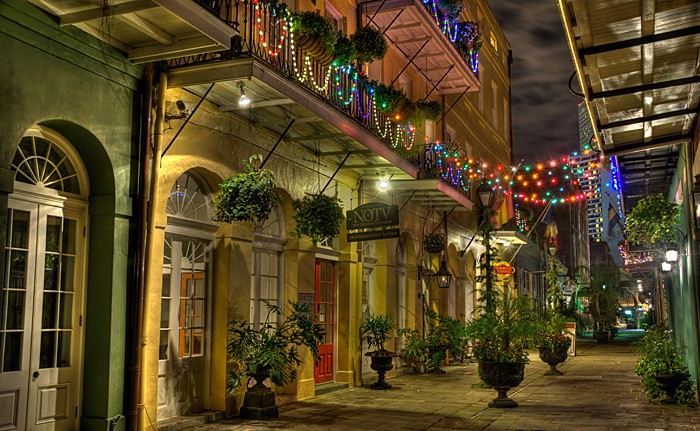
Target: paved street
x: 599, y: 391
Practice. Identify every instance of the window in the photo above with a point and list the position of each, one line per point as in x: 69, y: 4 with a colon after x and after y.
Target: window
x: 339, y: 22
x: 429, y: 131
x: 505, y: 118
x: 494, y: 104
x: 405, y: 86
x: 450, y: 134
x: 493, y: 41
x: 266, y: 275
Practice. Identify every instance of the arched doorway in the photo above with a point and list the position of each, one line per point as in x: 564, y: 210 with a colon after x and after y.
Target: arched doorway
x: 41, y: 314
x: 184, y: 347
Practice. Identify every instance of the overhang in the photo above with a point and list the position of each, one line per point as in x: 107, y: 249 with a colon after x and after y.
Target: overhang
x: 411, y: 30
x: 147, y: 30
x: 637, y: 63
x: 432, y: 193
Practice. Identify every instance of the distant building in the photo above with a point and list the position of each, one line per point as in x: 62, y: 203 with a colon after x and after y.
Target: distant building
x: 600, y: 181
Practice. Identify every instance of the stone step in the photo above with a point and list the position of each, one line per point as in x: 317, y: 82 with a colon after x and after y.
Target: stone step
x: 327, y: 388
x: 179, y: 423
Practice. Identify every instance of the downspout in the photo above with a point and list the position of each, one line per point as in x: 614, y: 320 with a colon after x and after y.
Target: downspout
x: 151, y: 227
x: 137, y: 302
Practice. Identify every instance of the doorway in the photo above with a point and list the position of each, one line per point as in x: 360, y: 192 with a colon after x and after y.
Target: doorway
x: 325, y: 316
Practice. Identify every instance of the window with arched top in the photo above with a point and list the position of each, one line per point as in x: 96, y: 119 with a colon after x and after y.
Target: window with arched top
x: 187, y: 200
x: 44, y: 159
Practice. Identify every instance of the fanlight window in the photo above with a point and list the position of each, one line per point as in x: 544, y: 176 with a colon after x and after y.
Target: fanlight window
x: 41, y: 162
x: 187, y: 200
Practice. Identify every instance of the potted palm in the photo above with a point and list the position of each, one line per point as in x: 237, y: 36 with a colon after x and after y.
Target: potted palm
x: 445, y: 334
x: 415, y: 352
x: 662, y: 368
x: 246, y: 196
x: 603, y: 294
x: 318, y: 217
x: 375, y: 331
x: 269, y: 351
x: 499, y: 335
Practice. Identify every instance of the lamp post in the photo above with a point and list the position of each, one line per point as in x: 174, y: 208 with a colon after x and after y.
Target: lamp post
x: 486, y: 196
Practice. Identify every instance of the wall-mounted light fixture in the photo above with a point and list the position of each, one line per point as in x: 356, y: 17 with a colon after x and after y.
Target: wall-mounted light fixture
x: 243, y: 100
x: 666, y: 266
x: 671, y: 255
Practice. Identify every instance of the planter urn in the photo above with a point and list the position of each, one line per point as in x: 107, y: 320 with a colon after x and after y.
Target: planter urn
x: 259, y: 400
x: 502, y: 376
x: 553, y: 358
x: 382, y: 361
x: 669, y: 382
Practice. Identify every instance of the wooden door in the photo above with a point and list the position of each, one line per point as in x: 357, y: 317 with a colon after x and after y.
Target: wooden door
x: 325, y: 316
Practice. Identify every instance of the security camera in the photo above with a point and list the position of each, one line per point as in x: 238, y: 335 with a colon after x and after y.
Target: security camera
x: 185, y: 108
x: 178, y: 110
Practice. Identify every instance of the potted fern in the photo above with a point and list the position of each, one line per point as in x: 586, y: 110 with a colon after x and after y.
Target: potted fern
x: 269, y: 352
x: 553, y: 344
x: 318, y: 217
x: 246, y: 196
x: 313, y: 33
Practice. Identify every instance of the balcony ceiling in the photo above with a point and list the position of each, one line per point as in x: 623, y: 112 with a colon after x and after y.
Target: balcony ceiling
x: 637, y: 62
x: 324, y: 133
x: 410, y: 25
x: 146, y: 30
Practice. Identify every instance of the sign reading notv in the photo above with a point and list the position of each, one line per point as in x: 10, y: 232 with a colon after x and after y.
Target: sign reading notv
x: 376, y: 217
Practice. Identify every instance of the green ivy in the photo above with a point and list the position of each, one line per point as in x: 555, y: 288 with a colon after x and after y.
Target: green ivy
x: 246, y: 196
x: 318, y: 217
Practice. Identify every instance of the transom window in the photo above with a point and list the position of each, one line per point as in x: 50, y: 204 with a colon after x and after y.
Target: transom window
x: 40, y: 162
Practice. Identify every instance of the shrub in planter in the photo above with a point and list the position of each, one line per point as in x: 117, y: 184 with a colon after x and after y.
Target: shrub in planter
x: 318, y: 217
x: 369, y: 44
x: 344, y: 50
x: 375, y: 331
x: 452, y: 8
x: 434, y: 243
x: 388, y: 99
x: 246, y: 196
x: 662, y: 368
x: 424, y: 110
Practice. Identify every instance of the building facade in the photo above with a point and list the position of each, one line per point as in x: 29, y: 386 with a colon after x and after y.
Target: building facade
x: 122, y: 122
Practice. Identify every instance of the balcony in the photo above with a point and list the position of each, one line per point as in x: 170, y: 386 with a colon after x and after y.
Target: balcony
x: 148, y: 30
x: 325, y: 110
x: 419, y: 31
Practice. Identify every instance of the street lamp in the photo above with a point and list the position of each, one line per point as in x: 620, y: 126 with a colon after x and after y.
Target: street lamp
x: 552, y: 248
x: 443, y: 276
x: 486, y: 196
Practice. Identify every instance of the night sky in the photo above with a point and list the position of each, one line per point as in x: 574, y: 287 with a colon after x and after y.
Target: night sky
x: 544, y: 112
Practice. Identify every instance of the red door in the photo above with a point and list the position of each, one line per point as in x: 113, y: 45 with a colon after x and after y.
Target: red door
x: 325, y: 295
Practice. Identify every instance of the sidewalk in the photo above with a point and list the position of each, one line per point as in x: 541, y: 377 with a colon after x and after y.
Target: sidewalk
x: 599, y: 391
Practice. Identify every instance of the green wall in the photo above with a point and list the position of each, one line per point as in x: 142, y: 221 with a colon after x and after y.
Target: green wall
x: 67, y: 80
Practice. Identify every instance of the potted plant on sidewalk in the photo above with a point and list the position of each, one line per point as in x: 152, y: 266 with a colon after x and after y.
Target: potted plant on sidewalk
x: 662, y: 368
x: 553, y: 343
x: 375, y: 331
x: 269, y: 351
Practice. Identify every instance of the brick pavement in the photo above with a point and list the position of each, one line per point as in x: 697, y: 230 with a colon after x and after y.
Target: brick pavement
x: 599, y: 391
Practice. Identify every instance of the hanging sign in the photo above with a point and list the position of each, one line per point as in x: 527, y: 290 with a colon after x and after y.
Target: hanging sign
x: 503, y: 270
x: 378, y: 218
x: 372, y: 215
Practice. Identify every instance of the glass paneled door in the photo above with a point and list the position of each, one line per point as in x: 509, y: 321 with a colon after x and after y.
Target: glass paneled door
x: 40, y: 319
x: 325, y: 316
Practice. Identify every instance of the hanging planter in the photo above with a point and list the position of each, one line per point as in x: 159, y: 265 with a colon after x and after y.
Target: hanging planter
x: 653, y: 221
x: 318, y: 217
x: 434, y: 243
x: 344, y: 50
x: 313, y: 33
x: 246, y: 196
x: 370, y: 44
x: 424, y: 110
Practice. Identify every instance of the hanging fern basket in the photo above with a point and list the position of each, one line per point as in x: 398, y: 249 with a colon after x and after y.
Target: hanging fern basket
x: 318, y: 217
